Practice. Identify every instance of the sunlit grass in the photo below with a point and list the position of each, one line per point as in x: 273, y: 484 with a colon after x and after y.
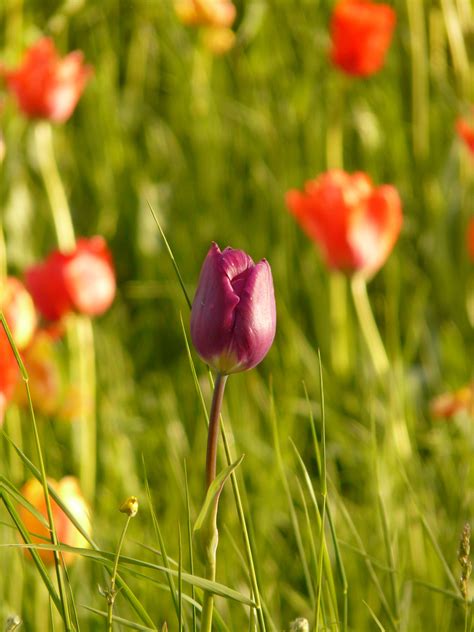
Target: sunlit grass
x: 212, y: 145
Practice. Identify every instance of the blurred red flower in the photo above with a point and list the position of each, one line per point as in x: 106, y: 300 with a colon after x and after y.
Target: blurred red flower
x: 466, y: 132
x: 82, y: 280
x: 46, y: 86
x: 354, y: 223
x: 361, y: 33
x: 9, y: 372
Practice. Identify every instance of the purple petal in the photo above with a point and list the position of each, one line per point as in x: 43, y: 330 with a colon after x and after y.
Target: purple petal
x: 255, y: 317
x: 212, y: 315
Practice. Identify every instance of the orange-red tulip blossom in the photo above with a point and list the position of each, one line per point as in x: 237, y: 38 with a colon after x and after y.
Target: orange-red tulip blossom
x: 46, y: 86
x: 361, y: 33
x: 354, y: 223
x: 82, y: 280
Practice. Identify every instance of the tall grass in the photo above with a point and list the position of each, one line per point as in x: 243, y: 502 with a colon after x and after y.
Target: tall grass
x: 356, y: 528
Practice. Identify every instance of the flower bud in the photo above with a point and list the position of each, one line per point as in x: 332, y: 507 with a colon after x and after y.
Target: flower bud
x: 130, y: 506
x: 233, y: 317
x: 299, y: 625
x: 68, y: 490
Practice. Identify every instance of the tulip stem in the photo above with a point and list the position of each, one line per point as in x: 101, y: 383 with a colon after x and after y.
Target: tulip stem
x: 213, y: 431
x: 211, y: 466
x: 54, y: 187
x: 340, y: 347
x: 80, y: 332
x: 368, y: 325
x: 112, y: 592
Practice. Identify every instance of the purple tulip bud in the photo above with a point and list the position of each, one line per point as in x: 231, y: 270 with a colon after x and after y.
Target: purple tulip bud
x: 233, y: 318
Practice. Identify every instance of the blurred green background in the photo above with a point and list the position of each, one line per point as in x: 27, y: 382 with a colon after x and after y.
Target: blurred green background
x: 213, y: 144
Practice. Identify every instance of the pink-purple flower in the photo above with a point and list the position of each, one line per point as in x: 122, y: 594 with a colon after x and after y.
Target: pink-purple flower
x: 233, y: 317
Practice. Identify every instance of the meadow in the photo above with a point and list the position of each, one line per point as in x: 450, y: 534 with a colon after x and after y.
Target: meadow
x: 350, y: 503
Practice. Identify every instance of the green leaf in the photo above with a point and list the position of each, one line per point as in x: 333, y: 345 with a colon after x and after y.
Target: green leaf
x: 205, y: 528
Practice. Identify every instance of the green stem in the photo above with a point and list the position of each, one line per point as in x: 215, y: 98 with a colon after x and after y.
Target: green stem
x: 335, y: 126
x: 339, y: 324
x: 43, y: 136
x: 87, y: 379
x: 42, y: 468
x: 80, y: 333
x: 419, y: 79
x: 211, y: 467
x: 112, y: 591
x: 208, y: 601
x: 368, y: 325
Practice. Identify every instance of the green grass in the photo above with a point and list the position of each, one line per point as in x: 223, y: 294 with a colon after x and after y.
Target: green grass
x: 213, y: 144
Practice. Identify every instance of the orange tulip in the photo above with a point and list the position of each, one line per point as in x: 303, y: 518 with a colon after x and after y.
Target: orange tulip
x: 68, y: 490
x: 43, y: 366
x: 206, y: 12
x: 354, y: 223
x: 19, y: 310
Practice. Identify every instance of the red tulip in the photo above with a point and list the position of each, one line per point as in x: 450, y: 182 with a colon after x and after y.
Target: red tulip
x: 233, y: 318
x: 9, y: 372
x: 47, y: 86
x: 361, y: 33
x: 69, y: 492
x: 83, y: 280
x: 354, y: 223
x: 466, y: 132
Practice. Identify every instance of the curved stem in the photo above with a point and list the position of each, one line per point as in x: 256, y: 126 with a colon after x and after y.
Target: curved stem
x: 243, y: 525
x: 112, y: 591
x: 54, y: 187
x: 211, y: 466
x: 213, y: 431
x: 80, y: 332
x: 368, y: 325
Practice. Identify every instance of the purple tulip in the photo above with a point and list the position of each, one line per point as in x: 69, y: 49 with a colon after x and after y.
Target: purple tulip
x: 233, y: 318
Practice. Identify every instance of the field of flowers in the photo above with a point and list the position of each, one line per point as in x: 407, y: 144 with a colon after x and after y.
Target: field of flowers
x: 236, y: 315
